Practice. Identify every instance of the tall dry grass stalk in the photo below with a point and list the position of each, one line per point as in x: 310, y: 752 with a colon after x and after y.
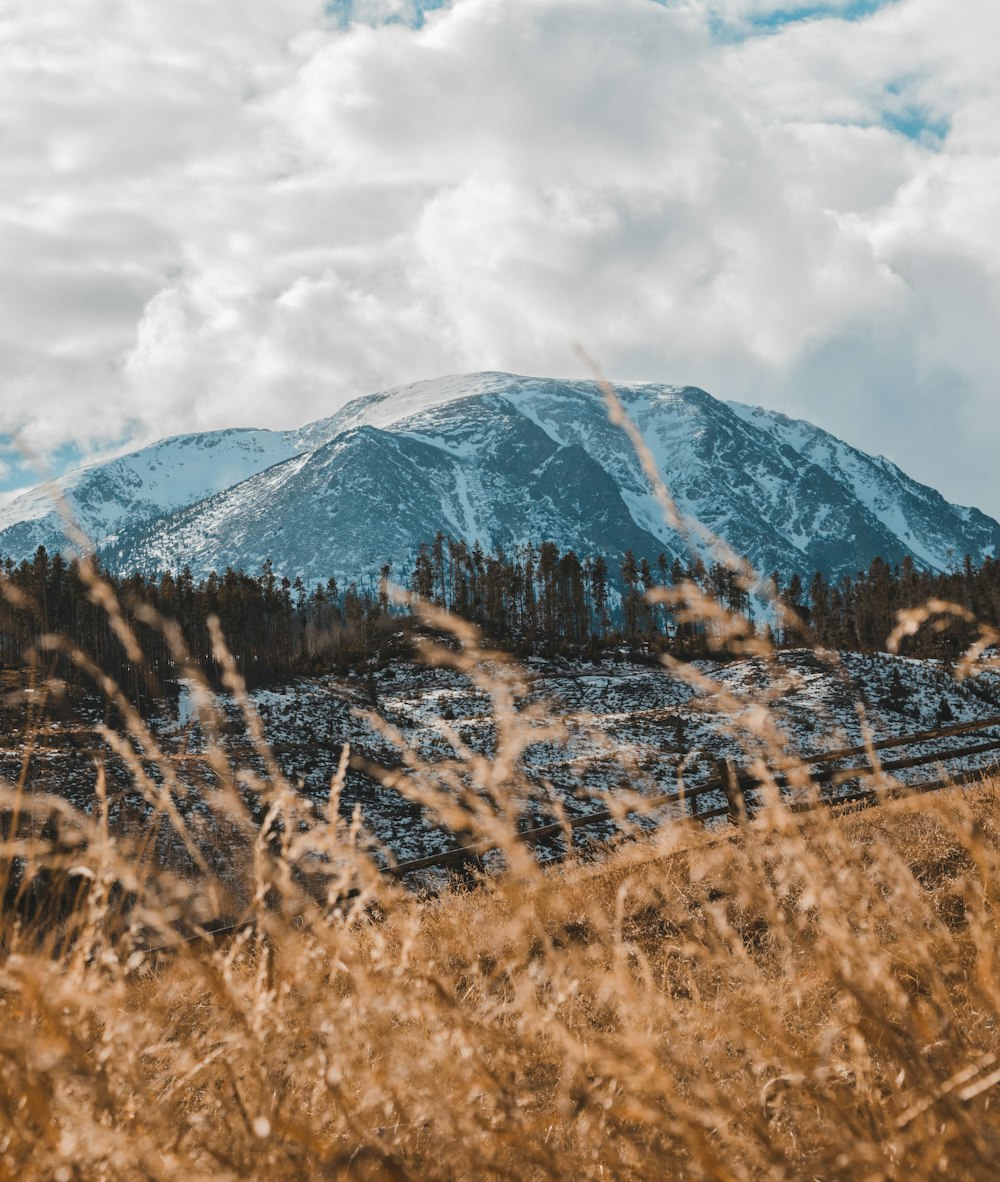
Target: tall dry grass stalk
x: 808, y: 995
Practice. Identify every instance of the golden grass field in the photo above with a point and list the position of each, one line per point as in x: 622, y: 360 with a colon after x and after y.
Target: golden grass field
x: 805, y: 996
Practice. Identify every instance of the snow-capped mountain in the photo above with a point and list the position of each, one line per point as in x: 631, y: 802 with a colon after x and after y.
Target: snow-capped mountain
x: 923, y: 521
x: 476, y: 468
x: 504, y: 460
x: 137, y: 487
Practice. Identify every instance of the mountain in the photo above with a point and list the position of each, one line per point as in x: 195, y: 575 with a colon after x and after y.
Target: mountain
x: 138, y: 487
x: 503, y: 460
x: 933, y: 531
x: 476, y: 468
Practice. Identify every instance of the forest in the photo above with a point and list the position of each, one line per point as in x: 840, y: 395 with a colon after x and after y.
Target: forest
x: 533, y: 600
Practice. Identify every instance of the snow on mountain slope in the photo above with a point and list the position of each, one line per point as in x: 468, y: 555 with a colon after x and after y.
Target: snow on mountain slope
x: 625, y: 723
x: 794, y: 498
x: 618, y: 718
x: 502, y: 459
x: 371, y: 496
x: 787, y: 499
x: 919, y: 516
x: 161, y: 478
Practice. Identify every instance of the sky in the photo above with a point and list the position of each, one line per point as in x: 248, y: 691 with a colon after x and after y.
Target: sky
x: 245, y: 214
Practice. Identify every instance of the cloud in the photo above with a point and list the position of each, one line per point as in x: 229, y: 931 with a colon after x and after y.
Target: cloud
x: 216, y: 216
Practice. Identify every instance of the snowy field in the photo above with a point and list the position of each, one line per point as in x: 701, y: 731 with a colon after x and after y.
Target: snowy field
x: 596, y: 730
x: 624, y: 726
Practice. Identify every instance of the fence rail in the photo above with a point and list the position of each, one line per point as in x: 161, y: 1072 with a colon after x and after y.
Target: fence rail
x: 743, y: 789
x: 731, y: 782
x: 941, y: 732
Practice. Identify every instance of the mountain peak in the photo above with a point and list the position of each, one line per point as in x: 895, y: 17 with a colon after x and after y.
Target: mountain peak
x: 504, y: 459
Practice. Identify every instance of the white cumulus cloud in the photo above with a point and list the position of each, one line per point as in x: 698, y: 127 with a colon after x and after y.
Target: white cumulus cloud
x: 219, y: 214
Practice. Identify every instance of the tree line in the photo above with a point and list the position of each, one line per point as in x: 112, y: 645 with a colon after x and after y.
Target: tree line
x: 55, y: 612
x: 858, y: 613
x: 531, y: 599
x: 540, y: 599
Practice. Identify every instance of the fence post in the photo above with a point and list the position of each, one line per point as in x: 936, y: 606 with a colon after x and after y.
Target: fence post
x: 730, y: 778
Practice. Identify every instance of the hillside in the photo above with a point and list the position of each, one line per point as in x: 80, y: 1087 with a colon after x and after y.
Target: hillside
x: 616, y: 723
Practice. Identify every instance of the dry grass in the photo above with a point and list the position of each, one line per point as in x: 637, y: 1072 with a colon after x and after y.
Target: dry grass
x: 804, y: 997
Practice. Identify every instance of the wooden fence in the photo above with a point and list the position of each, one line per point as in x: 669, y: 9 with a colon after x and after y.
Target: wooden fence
x: 743, y: 792
x: 740, y: 789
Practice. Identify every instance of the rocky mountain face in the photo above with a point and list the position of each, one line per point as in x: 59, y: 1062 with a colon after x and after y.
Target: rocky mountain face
x: 504, y: 460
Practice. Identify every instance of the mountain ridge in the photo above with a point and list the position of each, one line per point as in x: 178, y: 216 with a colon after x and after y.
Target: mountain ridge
x: 503, y: 459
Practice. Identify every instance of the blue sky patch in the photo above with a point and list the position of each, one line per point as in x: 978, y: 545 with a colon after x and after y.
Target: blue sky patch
x: 780, y: 18
x: 21, y: 474
x: 911, y: 118
x: 345, y: 11
x: 856, y: 10
x: 916, y: 123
